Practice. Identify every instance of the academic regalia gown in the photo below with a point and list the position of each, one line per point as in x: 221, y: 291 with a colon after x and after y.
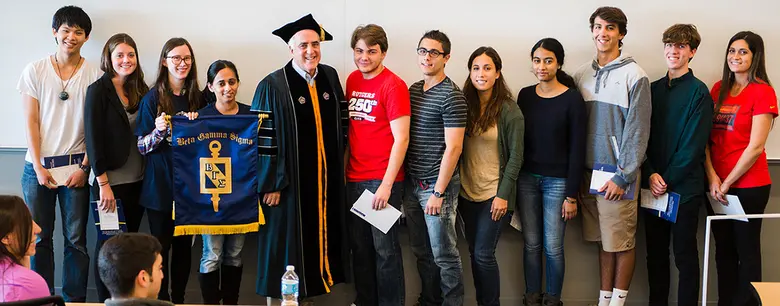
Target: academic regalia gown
x: 303, y: 156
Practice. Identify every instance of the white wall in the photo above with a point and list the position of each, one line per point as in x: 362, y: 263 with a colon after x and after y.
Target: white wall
x: 241, y: 31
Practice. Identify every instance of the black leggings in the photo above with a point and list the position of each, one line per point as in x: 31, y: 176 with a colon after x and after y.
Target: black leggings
x: 738, y: 248
x: 129, y: 195
x: 177, y: 273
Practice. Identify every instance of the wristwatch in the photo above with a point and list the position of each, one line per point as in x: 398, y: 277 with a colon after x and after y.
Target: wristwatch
x: 574, y: 201
x: 438, y: 194
x: 85, y: 168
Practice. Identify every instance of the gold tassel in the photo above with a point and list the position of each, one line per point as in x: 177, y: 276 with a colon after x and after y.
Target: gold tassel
x: 260, y: 215
x: 181, y: 230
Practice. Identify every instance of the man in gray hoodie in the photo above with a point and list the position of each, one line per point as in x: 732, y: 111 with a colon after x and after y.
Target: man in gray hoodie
x: 617, y: 97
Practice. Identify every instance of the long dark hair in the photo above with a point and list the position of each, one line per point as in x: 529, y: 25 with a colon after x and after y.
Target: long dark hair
x: 756, y: 72
x: 215, y: 68
x: 135, y: 87
x: 15, y: 219
x: 190, y: 88
x: 479, y: 121
x: 554, y: 46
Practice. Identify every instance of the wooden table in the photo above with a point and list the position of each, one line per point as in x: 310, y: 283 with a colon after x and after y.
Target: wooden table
x: 769, y: 293
x: 101, y: 304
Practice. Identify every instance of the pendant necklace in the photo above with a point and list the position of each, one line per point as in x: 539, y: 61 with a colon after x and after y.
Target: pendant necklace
x: 64, y: 94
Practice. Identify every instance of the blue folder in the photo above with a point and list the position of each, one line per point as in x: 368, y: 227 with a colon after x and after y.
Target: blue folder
x: 671, y: 208
x: 62, y: 160
x: 104, y: 235
x: 630, y: 190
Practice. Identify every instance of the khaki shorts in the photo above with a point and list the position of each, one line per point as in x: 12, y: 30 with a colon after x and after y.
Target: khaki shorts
x: 613, y: 223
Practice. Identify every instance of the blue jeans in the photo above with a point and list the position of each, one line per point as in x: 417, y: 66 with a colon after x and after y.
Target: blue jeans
x: 221, y: 249
x: 540, y: 200
x: 377, y: 261
x: 434, y: 242
x: 482, y: 233
x: 74, y: 211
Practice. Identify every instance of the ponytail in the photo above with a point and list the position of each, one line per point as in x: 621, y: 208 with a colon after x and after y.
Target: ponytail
x: 565, y: 79
x: 209, y: 96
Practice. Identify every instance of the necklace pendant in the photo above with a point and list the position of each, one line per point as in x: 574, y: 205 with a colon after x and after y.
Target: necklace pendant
x: 64, y: 95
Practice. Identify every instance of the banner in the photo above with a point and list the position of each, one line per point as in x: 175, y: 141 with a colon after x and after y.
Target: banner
x: 215, y: 175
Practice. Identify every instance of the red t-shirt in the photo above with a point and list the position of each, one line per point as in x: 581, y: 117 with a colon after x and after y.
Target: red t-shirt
x: 731, y: 128
x: 372, y: 105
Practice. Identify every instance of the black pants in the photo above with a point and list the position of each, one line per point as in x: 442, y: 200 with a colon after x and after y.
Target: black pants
x: 682, y: 234
x: 738, y: 249
x: 129, y: 195
x: 177, y: 273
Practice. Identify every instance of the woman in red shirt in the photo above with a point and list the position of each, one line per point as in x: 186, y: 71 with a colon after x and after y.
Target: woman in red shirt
x: 745, y: 107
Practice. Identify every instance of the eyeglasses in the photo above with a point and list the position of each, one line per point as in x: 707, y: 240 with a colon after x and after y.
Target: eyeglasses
x: 176, y: 59
x: 433, y: 52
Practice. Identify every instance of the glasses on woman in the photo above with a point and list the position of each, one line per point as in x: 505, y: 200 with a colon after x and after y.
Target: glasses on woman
x: 177, y: 59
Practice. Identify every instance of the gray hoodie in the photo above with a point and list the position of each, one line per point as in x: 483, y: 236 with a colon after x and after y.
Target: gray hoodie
x: 617, y: 99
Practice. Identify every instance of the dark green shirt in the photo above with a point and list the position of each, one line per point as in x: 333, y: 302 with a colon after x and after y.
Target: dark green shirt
x: 679, y: 130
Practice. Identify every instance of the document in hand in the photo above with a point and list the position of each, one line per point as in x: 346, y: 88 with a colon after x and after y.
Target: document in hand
x: 734, y: 206
x: 61, y: 167
x: 381, y: 219
x: 603, y: 173
x: 61, y: 174
x: 649, y: 201
x: 665, y: 206
x: 108, y: 223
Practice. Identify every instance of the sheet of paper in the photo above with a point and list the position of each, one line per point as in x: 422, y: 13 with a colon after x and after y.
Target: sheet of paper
x: 109, y: 221
x: 651, y: 202
x: 61, y: 174
x: 516, y: 223
x: 600, y: 178
x: 734, y: 207
x: 381, y: 219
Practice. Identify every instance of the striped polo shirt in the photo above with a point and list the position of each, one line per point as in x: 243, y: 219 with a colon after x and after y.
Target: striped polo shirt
x: 442, y: 106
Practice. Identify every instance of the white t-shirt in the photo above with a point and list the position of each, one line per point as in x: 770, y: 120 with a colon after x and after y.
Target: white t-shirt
x: 61, y: 122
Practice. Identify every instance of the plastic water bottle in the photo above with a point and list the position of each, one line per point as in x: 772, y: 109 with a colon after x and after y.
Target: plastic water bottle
x: 290, y: 287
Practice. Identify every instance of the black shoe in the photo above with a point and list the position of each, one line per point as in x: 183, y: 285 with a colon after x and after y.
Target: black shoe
x: 231, y: 284
x: 551, y: 300
x: 532, y: 299
x: 209, y: 287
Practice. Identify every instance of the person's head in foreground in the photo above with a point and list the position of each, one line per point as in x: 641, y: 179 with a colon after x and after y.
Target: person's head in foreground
x: 130, y: 266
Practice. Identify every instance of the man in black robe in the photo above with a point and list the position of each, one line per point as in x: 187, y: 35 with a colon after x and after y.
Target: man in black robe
x: 301, y: 167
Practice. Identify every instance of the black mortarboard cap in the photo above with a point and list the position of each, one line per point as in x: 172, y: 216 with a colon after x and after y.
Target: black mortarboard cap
x: 305, y: 23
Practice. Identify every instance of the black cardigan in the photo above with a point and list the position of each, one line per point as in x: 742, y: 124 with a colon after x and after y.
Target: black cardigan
x: 106, y: 127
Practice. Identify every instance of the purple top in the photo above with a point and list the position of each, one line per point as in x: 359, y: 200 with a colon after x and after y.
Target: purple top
x: 19, y: 283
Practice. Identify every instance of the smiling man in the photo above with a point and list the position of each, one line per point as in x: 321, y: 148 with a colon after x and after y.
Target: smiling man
x: 378, y: 137
x: 617, y: 96
x: 53, y: 92
x: 432, y: 181
x: 681, y: 122
x: 301, y: 166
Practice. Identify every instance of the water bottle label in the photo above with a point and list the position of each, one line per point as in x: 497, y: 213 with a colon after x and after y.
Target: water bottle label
x: 289, y: 288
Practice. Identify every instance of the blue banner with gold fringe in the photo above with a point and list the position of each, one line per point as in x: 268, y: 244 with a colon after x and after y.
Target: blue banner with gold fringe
x: 215, y: 175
